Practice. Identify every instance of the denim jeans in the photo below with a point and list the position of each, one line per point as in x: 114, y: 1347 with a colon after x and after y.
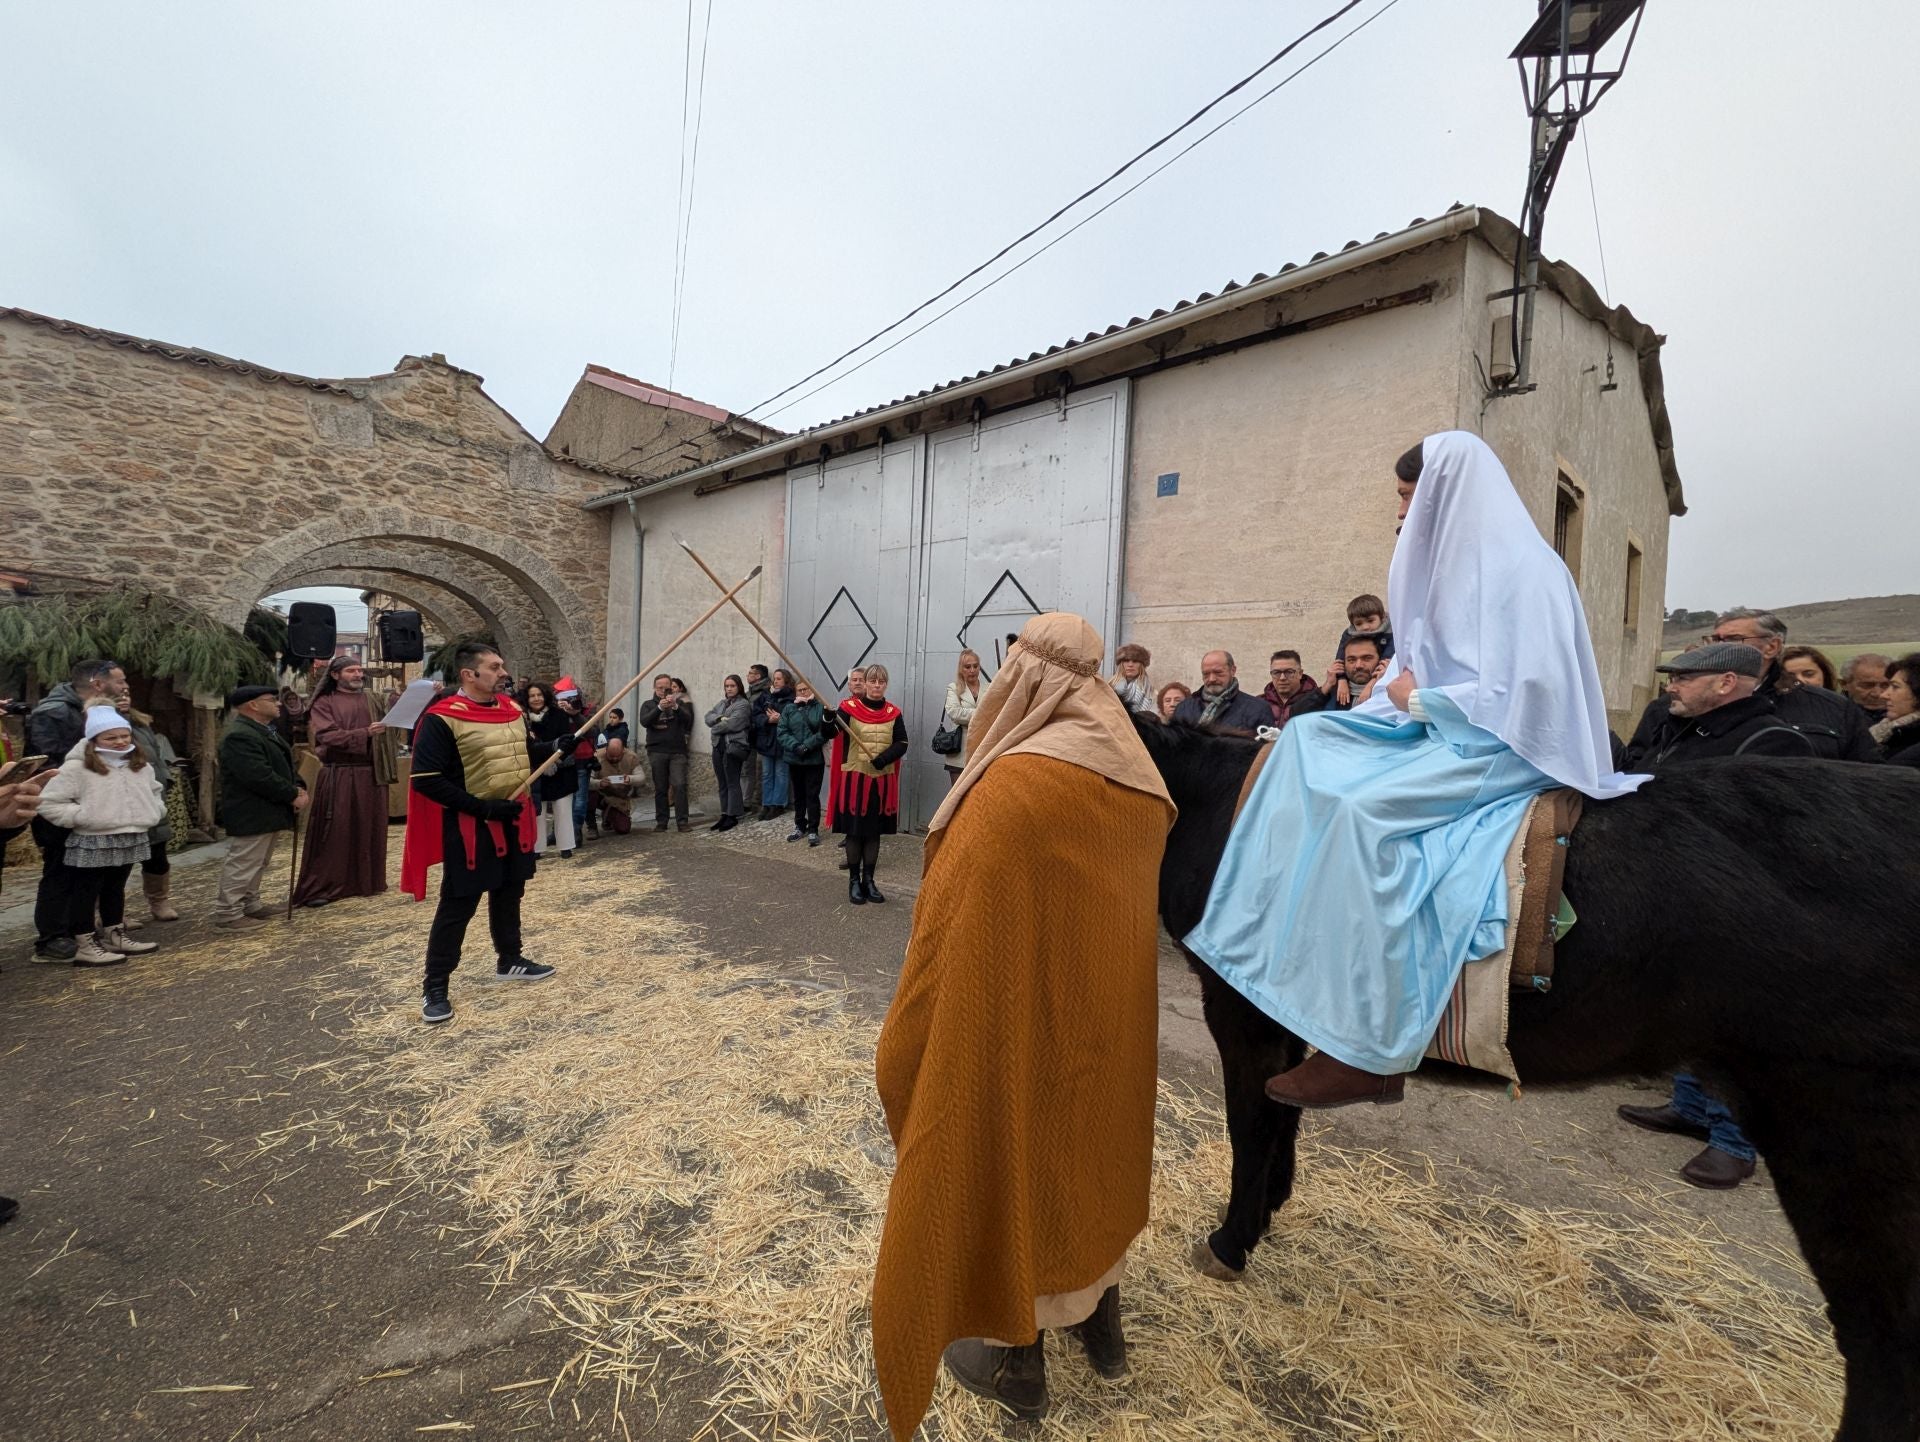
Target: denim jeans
x: 773, y: 781
x: 1703, y: 1109
x: 582, y: 799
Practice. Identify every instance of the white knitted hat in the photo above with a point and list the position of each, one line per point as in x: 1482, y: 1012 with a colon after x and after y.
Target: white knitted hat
x: 105, y: 718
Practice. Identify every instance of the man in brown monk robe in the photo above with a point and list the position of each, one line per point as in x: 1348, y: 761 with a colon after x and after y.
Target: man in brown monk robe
x: 345, y: 853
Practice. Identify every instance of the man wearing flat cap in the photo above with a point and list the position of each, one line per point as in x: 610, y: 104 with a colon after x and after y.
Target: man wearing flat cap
x: 1714, y: 707
x: 260, y: 796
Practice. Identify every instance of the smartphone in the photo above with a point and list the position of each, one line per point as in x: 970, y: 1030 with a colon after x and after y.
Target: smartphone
x: 21, y: 769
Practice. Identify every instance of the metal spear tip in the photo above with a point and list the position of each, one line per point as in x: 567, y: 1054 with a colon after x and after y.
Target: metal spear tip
x: 754, y: 572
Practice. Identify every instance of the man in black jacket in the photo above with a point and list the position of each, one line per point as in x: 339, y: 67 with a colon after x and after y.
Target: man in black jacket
x: 54, y: 728
x: 666, y: 720
x: 1291, y: 692
x: 261, y: 795
x: 1836, y: 727
x: 1713, y: 708
x: 1220, y: 701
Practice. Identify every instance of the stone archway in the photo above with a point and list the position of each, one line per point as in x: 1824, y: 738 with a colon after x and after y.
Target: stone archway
x: 452, y: 584
x: 441, y: 614
x: 481, y: 553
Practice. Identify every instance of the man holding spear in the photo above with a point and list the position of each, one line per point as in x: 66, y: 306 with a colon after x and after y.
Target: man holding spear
x: 469, y: 812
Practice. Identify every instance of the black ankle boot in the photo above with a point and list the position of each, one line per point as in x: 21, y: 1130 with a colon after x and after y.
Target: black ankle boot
x: 1100, y: 1334
x: 856, y: 893
x: 873, y: 892
x: 1015, y: 1377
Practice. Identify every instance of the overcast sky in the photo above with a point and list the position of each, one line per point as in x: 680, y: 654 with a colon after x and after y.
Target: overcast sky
x: 327, y: 188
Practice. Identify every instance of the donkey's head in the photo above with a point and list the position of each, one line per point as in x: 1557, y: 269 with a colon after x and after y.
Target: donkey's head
x: 1203, y: 771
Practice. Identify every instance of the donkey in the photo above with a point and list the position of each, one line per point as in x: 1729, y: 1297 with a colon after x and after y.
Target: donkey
x: 1718, y: 908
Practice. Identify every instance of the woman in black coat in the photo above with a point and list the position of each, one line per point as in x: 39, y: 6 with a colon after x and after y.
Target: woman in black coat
x: 547, y: 726
x: 1899, y: 734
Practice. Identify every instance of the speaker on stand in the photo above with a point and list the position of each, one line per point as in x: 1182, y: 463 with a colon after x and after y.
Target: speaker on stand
x: 400, y: 638
x: 311, y: 635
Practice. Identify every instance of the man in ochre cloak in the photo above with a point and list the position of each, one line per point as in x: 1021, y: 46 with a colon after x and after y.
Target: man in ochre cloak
x: 346, y: 843
x: 469, y: 758
x: 1018, y: 1060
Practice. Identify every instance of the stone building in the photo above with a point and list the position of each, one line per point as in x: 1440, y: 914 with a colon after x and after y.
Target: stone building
x: 221, y: 481
x: 1214, y: 475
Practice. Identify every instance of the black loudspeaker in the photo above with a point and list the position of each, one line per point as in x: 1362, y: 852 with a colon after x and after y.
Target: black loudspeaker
x: 310, y: 631
x: 400, y: 638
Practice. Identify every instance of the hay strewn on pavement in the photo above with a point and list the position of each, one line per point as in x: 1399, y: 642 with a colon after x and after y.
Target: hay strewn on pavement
x: 681, y: 1161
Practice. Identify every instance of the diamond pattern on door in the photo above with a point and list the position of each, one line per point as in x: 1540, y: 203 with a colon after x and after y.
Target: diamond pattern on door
x: 993, y: 615
x: 843, y: 635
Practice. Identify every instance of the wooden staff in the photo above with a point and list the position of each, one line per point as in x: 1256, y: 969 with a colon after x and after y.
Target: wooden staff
x: 792, y: 670
x: 645, y: 671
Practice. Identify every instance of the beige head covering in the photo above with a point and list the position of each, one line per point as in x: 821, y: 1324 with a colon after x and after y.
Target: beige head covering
x: 1048, y: 700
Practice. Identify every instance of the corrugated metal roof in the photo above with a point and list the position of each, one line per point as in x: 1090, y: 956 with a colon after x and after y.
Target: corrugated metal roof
x: 1495, y: 229
x: 1074, y: 343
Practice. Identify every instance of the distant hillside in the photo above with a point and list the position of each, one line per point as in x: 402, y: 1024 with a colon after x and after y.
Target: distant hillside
x: 1860, y: 622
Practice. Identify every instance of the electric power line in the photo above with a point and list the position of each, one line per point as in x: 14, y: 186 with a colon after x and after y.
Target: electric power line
x: 680, y: 185
x: 693, y: 185
x: 1094, y: 215
x: 1199, y: 114
x: 1606, y: 286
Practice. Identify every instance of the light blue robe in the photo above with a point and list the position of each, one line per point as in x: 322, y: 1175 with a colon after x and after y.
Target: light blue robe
x: 1366, y: 869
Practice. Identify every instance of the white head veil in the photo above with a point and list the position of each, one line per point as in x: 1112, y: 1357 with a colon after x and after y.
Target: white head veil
x: 1486, y: 613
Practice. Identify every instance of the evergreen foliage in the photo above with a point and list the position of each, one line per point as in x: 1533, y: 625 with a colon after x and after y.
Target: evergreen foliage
x: 148, y: 634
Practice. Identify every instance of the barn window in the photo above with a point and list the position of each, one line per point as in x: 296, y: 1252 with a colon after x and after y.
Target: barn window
x: 1566, y: 523
x: 1630, y: 611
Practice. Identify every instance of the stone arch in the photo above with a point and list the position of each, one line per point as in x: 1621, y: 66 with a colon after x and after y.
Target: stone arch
x: 500, y: 606
x: 440, y: 612
x: 556, y: 601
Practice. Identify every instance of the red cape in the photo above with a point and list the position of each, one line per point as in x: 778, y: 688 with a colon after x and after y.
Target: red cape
x: 426, y: 833
x: 851, y: 790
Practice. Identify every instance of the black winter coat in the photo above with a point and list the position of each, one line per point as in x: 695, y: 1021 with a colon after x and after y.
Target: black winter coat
x: 1750, y: 726
x: 545, y: 732
x: 1242, y: 713
x: 765, y: 734
x: 1836, y: 727
x: 57, y: 724
x: 667, y: 732
x: 257, y: 779
x: 1902, y: 746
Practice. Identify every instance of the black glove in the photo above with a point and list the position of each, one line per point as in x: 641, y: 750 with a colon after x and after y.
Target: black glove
x: 502, y: 810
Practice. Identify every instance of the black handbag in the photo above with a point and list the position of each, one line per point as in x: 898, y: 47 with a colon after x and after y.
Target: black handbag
x: 948, y: 739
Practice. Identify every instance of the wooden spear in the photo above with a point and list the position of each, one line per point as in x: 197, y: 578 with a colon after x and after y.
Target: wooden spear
x: 753, y: 621
x: 645, y: 671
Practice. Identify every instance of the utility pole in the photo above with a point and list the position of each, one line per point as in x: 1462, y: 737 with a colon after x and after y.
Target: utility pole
x: 1562, y: 77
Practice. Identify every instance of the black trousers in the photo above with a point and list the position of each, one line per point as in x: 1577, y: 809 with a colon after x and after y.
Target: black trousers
x: 864, y: 851
x: 669, y: 770
x: 54, y: 899
x: 102, y: 887
x: 805, y: 785
x: 450, y: 920
x: 156, y: 863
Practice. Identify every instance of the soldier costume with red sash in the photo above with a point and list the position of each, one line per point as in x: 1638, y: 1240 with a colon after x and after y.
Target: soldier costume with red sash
x: 469, y: 756
x: 863, y: 788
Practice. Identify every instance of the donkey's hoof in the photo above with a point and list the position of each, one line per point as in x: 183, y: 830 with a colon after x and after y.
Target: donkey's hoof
x: 1209, y: 1265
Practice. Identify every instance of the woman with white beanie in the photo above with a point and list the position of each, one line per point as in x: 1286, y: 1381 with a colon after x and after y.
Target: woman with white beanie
x: 108, y: 797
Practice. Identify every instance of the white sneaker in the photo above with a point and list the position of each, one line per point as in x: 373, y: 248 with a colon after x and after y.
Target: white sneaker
x: 116, y: 939
x: 89, y: 952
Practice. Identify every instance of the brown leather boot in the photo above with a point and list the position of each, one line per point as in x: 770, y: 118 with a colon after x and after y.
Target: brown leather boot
x: 1320, y: 1083
x: 1015, y: 1377
x: 1716, y: 1170
x: 1100, y: 1334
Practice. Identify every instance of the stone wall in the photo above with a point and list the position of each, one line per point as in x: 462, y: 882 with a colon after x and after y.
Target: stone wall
x: 219, y: 482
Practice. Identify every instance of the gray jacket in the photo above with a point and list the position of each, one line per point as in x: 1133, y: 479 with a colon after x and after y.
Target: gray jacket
x: 729, y: 720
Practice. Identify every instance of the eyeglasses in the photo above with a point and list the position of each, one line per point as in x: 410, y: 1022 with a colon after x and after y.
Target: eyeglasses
x: 1756, y: 641
x: 1284, y: 671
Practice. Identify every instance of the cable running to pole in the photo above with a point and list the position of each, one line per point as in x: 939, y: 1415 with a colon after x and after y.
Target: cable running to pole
x: 1199, y: 114
x: 680, y: 185
x: 693, y: 186
x: 1094, y: 215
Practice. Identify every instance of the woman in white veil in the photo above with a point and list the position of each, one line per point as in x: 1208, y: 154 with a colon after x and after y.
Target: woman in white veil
x: 1367, y: 866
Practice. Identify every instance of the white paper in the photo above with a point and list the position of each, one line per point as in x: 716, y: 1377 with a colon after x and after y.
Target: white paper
x: 415, y: 699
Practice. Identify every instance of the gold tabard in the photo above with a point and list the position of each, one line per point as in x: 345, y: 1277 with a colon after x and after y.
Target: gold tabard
x: 492, y: 753
x: 867, y: 739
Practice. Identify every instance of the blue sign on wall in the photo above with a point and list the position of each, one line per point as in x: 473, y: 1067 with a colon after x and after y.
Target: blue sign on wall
x: 1167, y: 485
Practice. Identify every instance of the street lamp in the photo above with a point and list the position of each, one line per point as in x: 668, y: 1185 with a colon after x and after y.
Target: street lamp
x: 1563, y: 73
